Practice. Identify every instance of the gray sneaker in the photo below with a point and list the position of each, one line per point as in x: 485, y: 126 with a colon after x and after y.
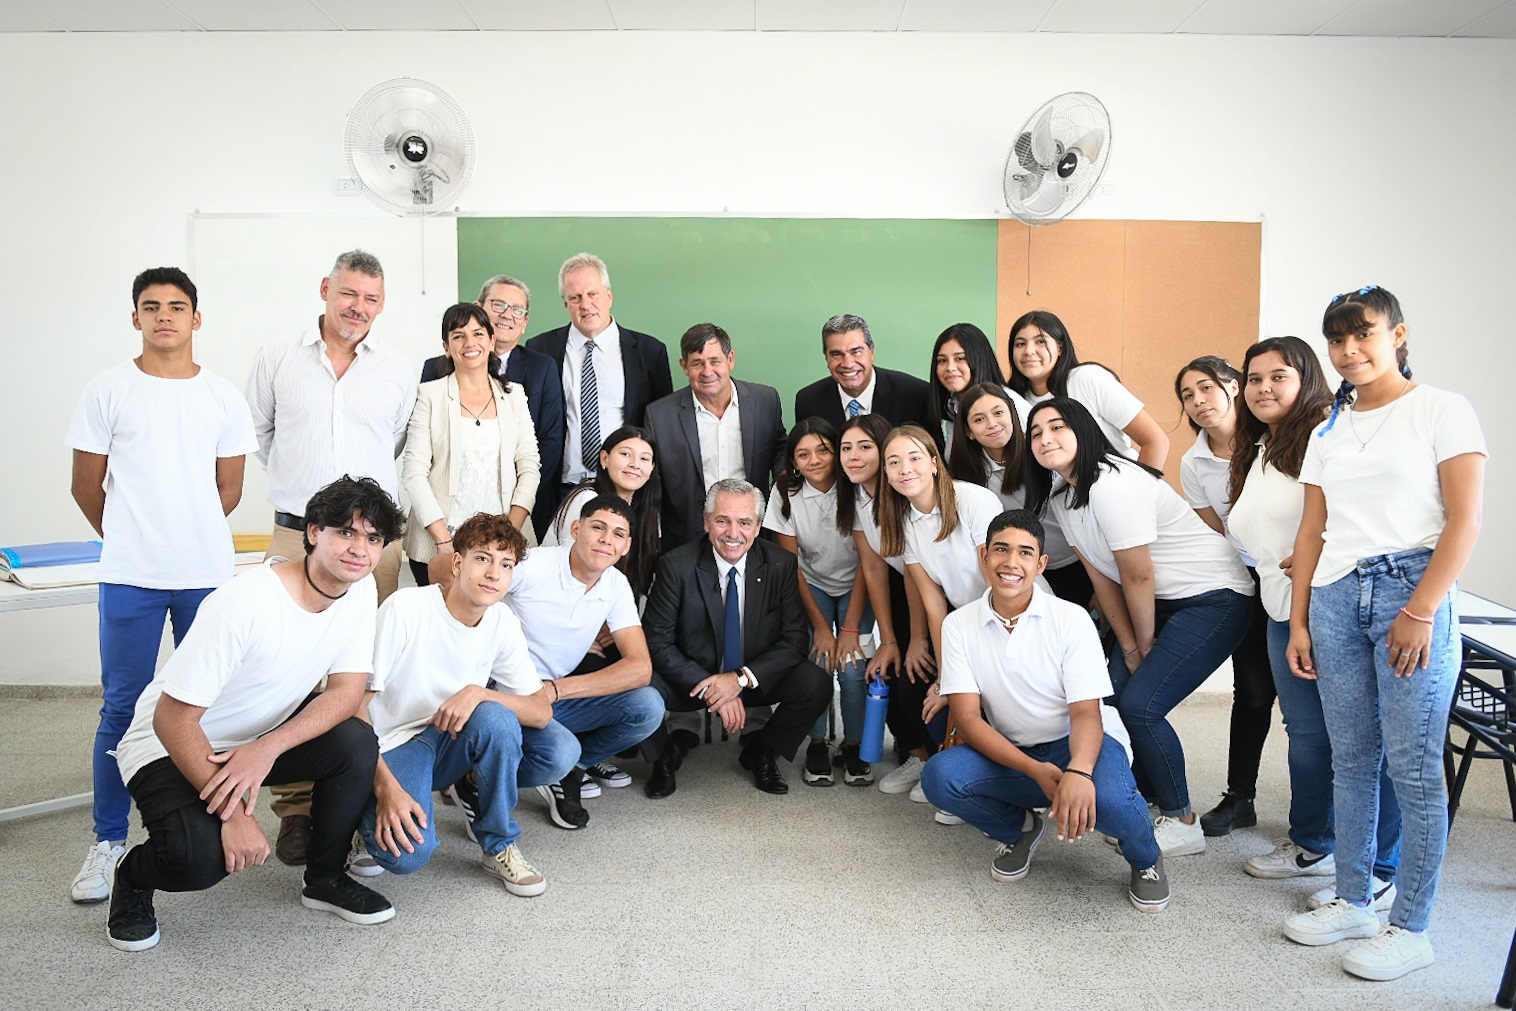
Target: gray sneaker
x: 1150, y: 888
x: 1012, y: 862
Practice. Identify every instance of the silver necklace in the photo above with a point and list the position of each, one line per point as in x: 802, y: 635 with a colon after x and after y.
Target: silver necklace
x: 1363, y: 444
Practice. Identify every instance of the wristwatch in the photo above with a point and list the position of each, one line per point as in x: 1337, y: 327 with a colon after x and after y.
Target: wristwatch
x: 746, y: 680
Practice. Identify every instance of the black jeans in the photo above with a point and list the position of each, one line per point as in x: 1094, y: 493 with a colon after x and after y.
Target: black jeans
x: 183, y: 849
x: 1252, y: 702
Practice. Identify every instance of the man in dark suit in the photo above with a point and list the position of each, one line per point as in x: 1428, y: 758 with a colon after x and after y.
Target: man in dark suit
x: 627, y: 370
x: 509, y: 305
x: 726, y: 630
x: 856, y: 387
x: 715, y: 427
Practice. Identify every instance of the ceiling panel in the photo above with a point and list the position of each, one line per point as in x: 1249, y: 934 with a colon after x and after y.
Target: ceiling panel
x: 114, y: 15
x: 685, y: 15
x: 255, y: 15
x: 540, y: 15
x: 829, y: 15
x: 973, y: 15
x: 1408, y: 17
x: 16, y: 18
x: 398, y: 15
x: 1114, y: 16
x: 1250, y: 17
x: 1498, y: 25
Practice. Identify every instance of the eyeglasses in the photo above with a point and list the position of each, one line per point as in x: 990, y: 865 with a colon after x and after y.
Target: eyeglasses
x: 1350, y: 294
x: 500, y: 308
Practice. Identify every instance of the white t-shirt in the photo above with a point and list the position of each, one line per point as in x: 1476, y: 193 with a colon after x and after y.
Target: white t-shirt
x: 1387, y: 496
x: 164, y: 528
x: 1266, y: 519
x: 828, y: 557
x: 1113, y: 405
x: 1027, y: 677
x: 1204, y: 476
x: 1128, y: 508
x: 559, y: 616
x: 423, y: 656
x: 953, y: 562
x: 864, y: 520
x: 251, y: 658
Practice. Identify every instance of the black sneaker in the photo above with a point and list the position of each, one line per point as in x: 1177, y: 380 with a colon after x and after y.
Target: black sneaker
x: 342, y: 895
x: 133, y: 925
x: 855, y: 771
x: 466, y: 794
x: 818, y: 765
x: 1234, y: 811
x: 566, y: 811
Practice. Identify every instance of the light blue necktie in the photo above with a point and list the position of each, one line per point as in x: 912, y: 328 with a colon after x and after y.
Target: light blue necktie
x: 854, y: 408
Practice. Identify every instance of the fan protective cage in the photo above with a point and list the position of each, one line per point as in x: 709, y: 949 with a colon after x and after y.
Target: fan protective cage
x: 410, y: 146
x: 1034, y: 192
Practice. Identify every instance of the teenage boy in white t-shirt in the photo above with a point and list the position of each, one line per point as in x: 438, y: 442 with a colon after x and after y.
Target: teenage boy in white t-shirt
x: 159, y: 445
x: 564, y: 596
x: 1025, y: 676
x: 230, y: 711
x: 455, y: 691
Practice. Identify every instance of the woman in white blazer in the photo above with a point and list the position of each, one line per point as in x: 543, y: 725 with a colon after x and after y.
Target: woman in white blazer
x: 470, y: 447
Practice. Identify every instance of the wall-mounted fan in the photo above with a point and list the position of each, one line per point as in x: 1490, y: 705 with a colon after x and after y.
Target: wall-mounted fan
x: 1057, y: 158
x: 410, y: 147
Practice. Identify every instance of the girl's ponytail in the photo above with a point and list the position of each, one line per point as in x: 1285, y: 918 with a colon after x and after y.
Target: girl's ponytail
x: 1343, y: 393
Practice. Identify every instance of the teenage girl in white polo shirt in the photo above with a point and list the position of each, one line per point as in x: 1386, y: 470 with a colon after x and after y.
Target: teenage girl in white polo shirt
x: 628, y: 469
x: 1285, y: 397
x: 1207, y: 389
x: 904, y: 654
x: 802, y: 513
x: 1174, y: 591
x: 989, y: 449
x: 962, y: 357
x: 1044, y: 364
x: 1394, y: 482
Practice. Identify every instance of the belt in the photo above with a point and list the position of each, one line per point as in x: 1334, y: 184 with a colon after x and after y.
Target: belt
x: 289, y: 521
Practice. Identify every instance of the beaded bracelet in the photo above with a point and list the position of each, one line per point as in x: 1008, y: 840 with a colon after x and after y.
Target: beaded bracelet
x: 1416, y: 617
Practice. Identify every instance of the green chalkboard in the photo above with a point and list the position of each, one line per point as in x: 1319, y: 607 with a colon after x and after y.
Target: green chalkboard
x: 770, y: 282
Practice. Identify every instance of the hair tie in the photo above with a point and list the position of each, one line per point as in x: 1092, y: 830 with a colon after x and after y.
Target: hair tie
x: 1342, y: 398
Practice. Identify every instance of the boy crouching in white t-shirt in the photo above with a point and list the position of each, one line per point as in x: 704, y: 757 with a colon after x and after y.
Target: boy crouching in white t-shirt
x: 455, y: 691
x: 1024, y: 677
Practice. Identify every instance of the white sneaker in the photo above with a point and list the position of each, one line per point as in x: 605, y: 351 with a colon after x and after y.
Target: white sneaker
x: 901, y: 780
x: 918, y: 794
x: 518, y: 876
x: 360, y: 861
x: 1176, y: 839
x: 941, y: 817
x: 93, y: 882
x: 1384, y: 896
x: 1290, y: 861
x: 1392, y: 953
x: 1336, y: 921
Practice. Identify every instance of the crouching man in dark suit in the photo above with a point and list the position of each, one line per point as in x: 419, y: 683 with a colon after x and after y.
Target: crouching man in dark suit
x: 726, y: 630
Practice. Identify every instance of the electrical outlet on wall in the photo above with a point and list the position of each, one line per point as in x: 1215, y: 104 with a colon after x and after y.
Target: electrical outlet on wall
x: 345, y: 187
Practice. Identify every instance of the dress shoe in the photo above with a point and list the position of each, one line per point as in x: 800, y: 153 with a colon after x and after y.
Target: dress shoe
x: 1234, y: 811
x: 759, y: 759
x: 678, y: 745
x: 294, y: 839
x: 661, y: 783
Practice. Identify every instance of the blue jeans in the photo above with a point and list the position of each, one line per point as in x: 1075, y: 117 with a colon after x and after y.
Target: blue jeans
x: 131, y: 630
x: 1191, y: 637
x: 1372, y: 715
x: 607, y: 724
x: 995, y: 799
x: 1310, y: 760
x: 850, y: 680
x: 505, y: 755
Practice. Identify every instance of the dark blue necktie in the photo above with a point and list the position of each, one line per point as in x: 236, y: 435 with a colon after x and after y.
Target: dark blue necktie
x: 731, y: 656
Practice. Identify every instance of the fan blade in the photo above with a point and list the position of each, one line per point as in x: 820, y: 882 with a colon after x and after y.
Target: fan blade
x: 1044, y: 149
x: 1089, y: 145
x: 1048, y: 197
x: 1030, y: 182
x: 1023, y: 149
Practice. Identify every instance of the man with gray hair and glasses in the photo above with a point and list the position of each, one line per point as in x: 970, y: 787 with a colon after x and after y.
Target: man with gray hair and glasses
x: 328, y: 401
x: 609, y: 373
x: 508, y: 302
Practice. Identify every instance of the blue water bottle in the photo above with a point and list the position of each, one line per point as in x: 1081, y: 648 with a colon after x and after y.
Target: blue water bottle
x: 871, y: 749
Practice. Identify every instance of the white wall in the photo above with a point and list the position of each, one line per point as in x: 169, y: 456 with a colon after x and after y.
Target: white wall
x: 1374, y: 160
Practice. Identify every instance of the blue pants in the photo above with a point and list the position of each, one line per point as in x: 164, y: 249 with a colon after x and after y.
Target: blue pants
x: 995, y: 799
x: 131, y: 630
x: 505, y: 757
x: 850, y: 680
x: 1374, y: 716
x: 1310, y: 761
x: 1192, y: 636
x: 607, y: 724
